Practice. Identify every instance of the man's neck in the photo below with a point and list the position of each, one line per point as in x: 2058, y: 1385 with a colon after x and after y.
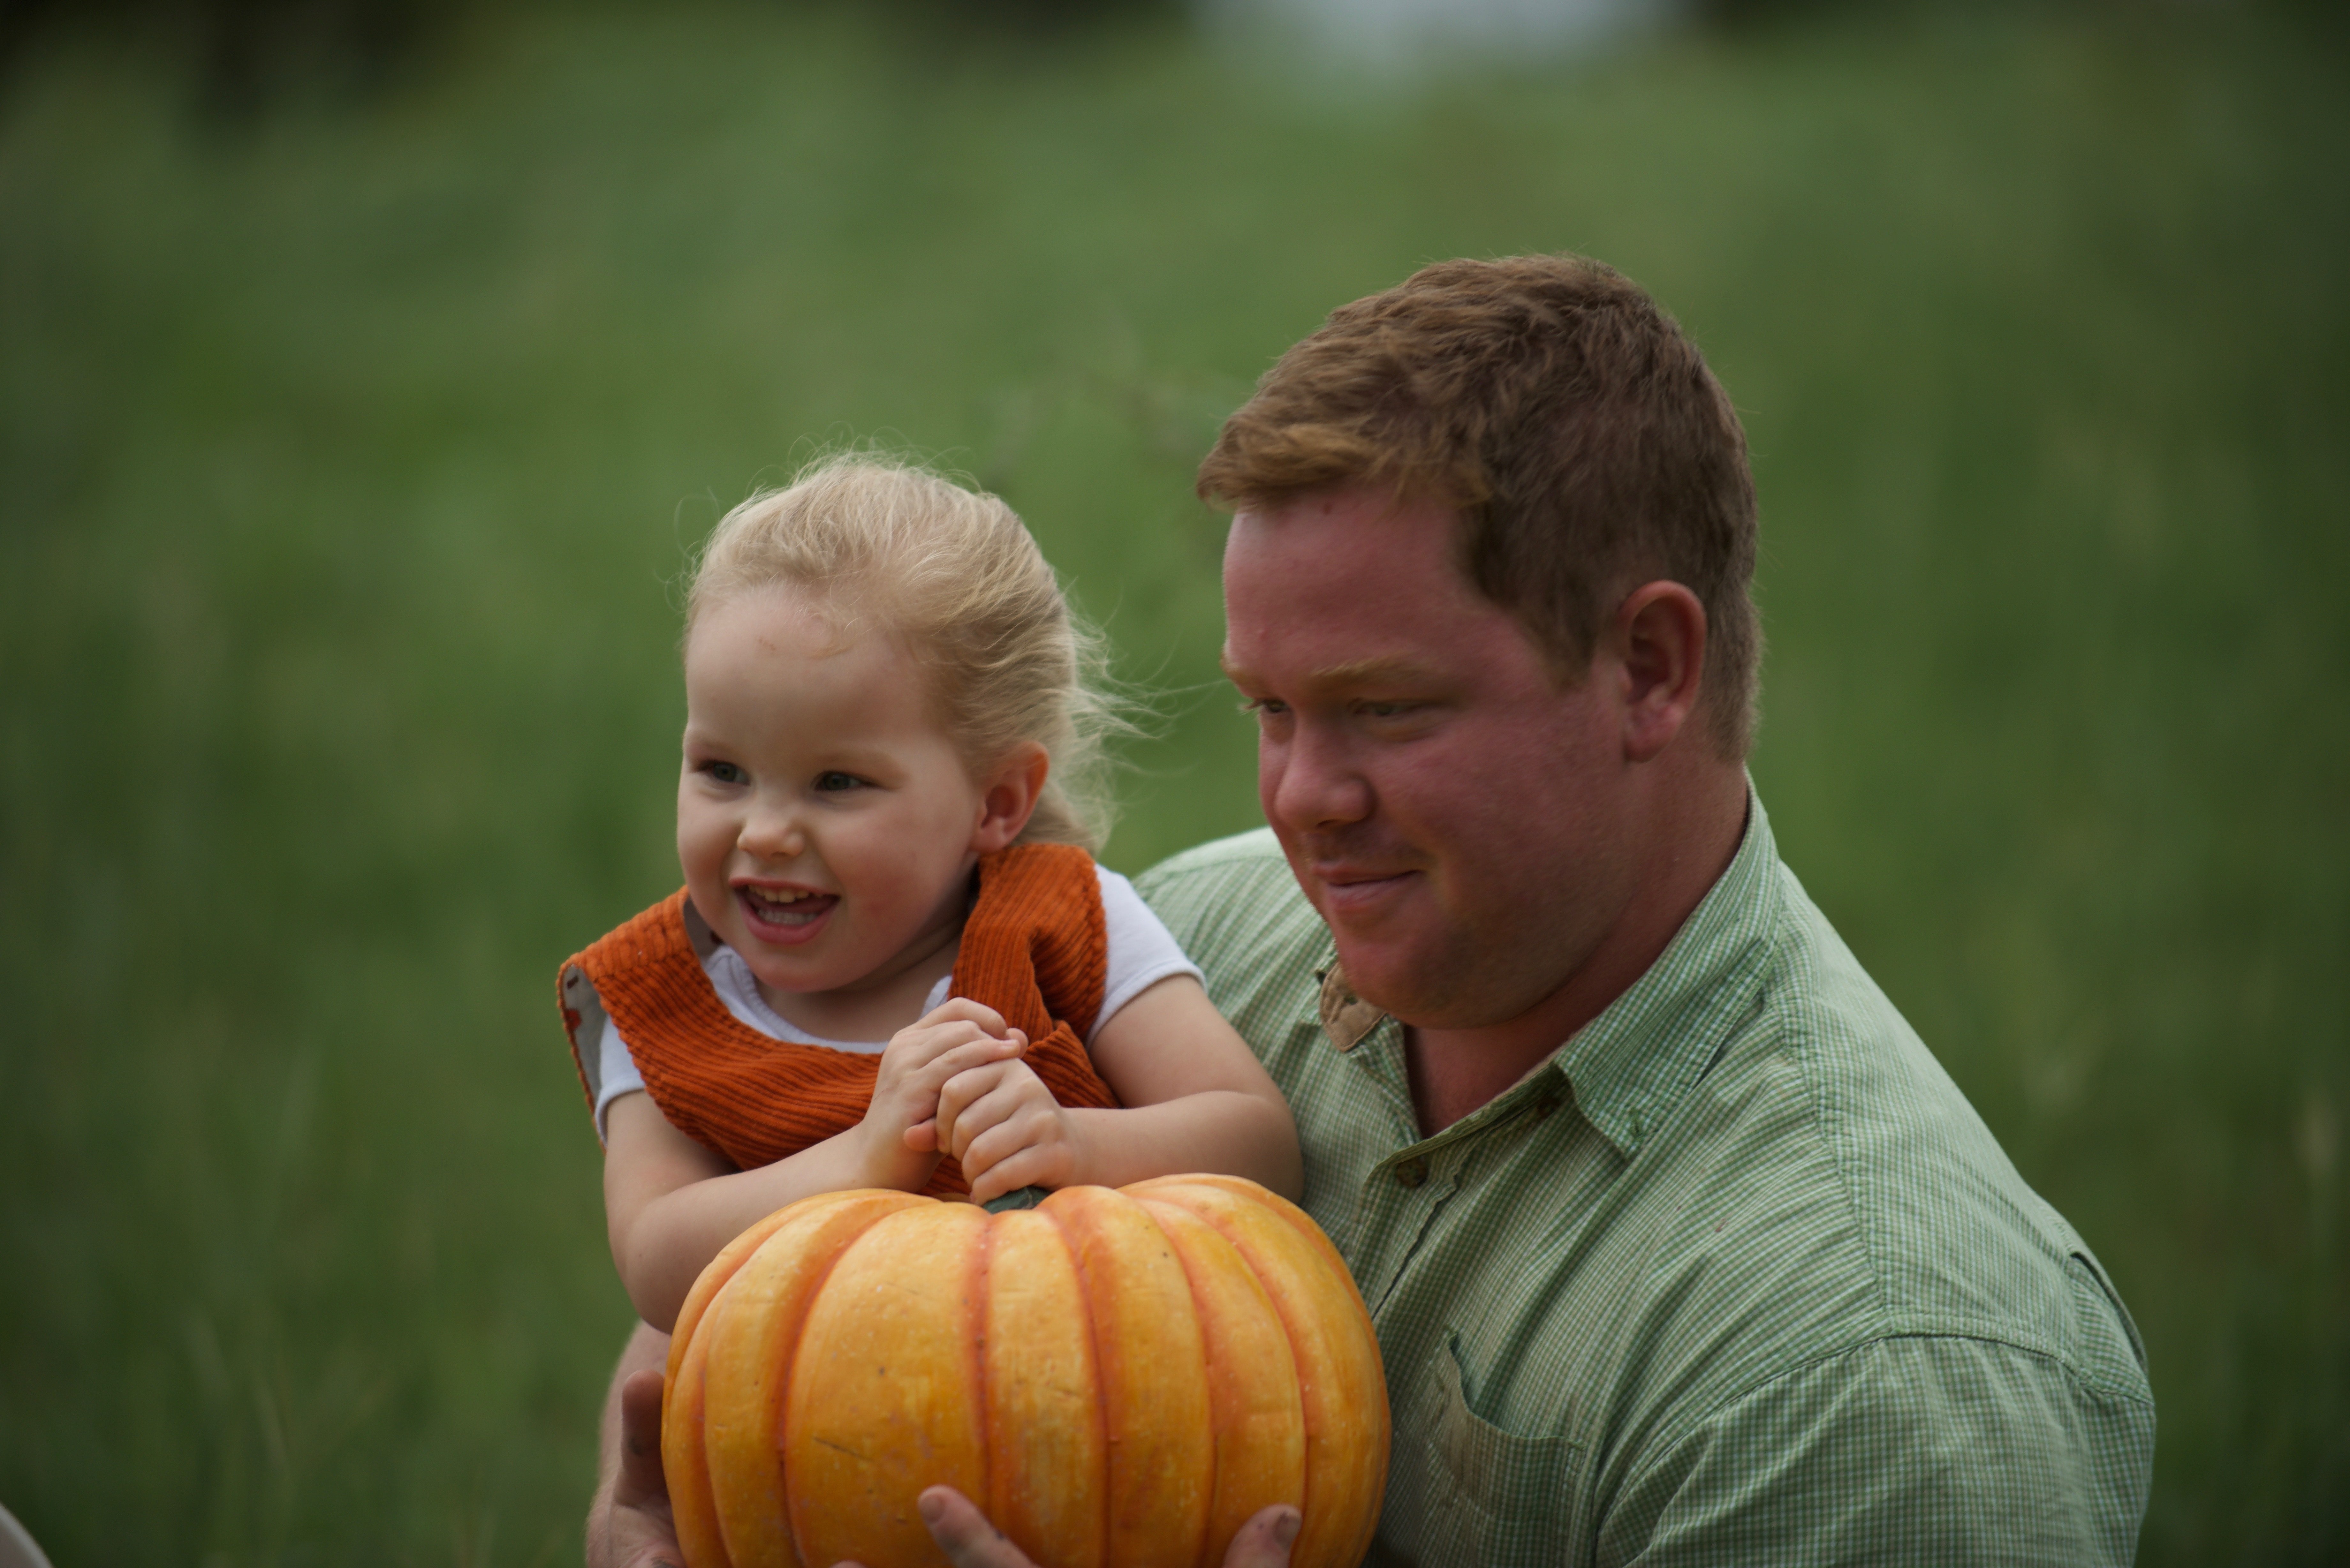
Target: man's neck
x: 1453, y: 1072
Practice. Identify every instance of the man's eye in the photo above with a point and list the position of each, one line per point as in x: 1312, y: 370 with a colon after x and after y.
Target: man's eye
x: 833, y: 782
x: 1264, y: 707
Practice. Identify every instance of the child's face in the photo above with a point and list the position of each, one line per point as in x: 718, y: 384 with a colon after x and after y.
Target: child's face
x: 827, y: 825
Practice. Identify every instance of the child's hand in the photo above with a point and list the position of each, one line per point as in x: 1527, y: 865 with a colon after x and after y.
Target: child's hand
x: 899, y: 1134
x: 1002, y: 1122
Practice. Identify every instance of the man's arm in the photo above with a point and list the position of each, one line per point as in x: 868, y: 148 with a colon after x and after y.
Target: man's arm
x: 1912, y: 1449
x: 629, y: 1523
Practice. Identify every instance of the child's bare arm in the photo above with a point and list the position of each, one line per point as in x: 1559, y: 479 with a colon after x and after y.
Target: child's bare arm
x: 670, y: 1204
x: 1194, y: 1097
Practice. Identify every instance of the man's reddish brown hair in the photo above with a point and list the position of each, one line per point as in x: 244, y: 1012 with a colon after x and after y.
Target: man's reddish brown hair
x: 1580, y: 435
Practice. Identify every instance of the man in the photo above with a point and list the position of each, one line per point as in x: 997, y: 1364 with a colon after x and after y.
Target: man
x: 1682, y: 1247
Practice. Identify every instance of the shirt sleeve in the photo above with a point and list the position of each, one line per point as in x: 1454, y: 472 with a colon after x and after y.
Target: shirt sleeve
x: 618, y: 1074
x: 1938, y: 1449
x: 1141, y: 950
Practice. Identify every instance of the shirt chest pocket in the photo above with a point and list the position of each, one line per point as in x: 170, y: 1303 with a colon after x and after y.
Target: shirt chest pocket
x: 1462, y: 1491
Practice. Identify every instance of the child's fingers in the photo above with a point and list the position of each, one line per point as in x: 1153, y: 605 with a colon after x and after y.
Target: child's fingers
x: 918, y: 1051
x: 910, y: 1048
x: 930, y: 1080
x: 1028, y: 1166
x: 959, y: 1094
x: 963, y: 1010
x: 910, y: 1095
x: 1002, y: 1125
x: 1014, y: 1099
x: 986, y: 1075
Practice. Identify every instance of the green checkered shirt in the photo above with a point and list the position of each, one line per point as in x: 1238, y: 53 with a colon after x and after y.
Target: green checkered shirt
x: 1737, y: 1277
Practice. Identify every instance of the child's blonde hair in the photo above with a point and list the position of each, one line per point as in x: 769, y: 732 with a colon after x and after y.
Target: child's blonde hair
x: 955, y: 574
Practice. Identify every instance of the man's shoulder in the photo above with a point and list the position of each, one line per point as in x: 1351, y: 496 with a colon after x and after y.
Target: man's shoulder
x: 1835, y: 1195
x: 1948, y: 1235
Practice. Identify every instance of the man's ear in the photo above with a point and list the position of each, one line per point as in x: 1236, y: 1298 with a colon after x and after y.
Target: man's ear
x: 1008, y: 797
x: 1660, y: 635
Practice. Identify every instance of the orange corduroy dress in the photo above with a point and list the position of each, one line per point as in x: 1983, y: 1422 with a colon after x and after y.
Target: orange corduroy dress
x: 1033, y: 949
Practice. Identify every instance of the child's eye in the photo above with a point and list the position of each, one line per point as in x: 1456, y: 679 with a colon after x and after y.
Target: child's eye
x: 725, y: 773
x: 833, y: 782
x: 1265, y: 707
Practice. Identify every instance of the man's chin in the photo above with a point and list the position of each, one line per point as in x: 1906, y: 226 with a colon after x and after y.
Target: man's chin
x: 1447, y: 989
x: 1410, y: 986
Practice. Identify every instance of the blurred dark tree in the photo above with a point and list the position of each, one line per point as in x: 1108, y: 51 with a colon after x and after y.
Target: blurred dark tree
x: 243, y: 52
x: 1739, y: 13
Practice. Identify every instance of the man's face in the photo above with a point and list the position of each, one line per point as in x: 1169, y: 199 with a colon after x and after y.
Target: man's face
x: 1455, y: 813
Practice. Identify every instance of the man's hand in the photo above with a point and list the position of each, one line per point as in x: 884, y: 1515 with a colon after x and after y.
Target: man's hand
x: 629, y: 1525
x: 1005, y: 1126
x: 969, y: 1541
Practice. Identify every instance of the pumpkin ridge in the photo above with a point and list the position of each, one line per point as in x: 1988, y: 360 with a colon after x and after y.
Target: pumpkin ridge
x: 1216, y: 1221
x: 1101, y: 1390
x: 1208, y: 1542
x: 1171, y: 1216
x: 696, y: 1522
x: 788, y: 1336
x: 1207, y: 1358
x: 791, y: 1375
x: 975, y: 1341
x: 1296, y: 1359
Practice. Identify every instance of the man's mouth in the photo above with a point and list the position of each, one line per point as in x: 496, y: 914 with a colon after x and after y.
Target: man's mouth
x: 1347, y: 889
x: 783, y: 914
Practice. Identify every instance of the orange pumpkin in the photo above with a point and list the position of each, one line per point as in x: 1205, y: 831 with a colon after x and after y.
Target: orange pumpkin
x: 1119, y: 1379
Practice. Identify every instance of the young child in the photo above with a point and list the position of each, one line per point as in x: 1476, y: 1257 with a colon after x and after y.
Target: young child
x: 894, y: 962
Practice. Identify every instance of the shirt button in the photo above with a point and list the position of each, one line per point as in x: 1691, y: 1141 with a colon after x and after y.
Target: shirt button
x: 1412, y: 1171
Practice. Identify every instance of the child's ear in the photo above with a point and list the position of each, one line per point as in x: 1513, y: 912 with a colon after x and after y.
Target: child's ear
x: 1008, y: 797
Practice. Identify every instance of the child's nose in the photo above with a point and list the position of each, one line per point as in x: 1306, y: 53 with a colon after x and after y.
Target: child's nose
x: 770, y: 835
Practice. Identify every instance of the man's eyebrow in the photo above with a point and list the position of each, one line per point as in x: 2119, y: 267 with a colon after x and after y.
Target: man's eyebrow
x: 1368, y: 672
x: 1354, y: 672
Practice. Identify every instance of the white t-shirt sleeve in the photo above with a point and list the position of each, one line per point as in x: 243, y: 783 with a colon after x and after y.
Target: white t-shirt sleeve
x: 1141, y: 950
x: 618, y: 1073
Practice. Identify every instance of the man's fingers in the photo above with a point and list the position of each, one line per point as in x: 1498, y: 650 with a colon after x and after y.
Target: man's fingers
x: 1264, y: 1540
x: 969, y: 1541
x: 964, y: 1535
x: 640, y: 1479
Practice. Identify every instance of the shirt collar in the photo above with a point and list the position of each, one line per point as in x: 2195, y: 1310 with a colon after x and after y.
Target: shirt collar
x: 1631, y: 1064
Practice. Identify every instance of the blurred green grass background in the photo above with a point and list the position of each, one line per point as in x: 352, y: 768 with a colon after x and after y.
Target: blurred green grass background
x: 349, y: 453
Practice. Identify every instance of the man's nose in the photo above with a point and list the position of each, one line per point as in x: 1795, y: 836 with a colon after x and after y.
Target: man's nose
x: 1310, y: 781
x: 773, y: 831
